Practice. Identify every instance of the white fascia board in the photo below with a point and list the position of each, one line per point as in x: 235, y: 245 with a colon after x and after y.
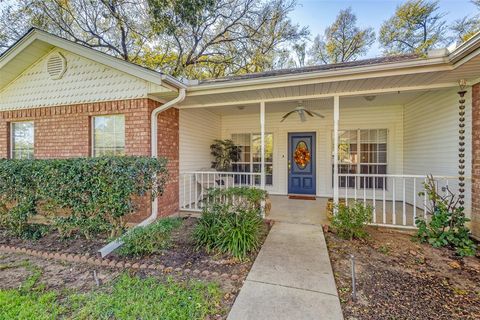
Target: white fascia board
x: 89, y: 53
x: 12, y: 52
x: 390, y: 69
x: 465, y: 49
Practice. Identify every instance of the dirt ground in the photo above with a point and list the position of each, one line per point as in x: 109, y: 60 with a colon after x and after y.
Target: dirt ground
x: 398, y: 278
x: 184, y: 254
x: 53, y: 242
x: 58, y: 275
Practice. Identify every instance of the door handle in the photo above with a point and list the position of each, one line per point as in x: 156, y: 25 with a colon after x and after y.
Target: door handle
x: 289, y: 165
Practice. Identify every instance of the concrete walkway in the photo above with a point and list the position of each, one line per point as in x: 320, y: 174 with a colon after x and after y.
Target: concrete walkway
x: 291, y: 278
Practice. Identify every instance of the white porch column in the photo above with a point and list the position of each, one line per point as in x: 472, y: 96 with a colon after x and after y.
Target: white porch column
x: 336, y: 117
x: 262, y: 144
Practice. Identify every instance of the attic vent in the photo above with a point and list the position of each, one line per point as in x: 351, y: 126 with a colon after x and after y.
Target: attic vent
x: 56, y: 66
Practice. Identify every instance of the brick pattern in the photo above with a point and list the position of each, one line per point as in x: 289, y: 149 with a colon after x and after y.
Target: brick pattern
x: 475, y: 223
x: 65, y: 132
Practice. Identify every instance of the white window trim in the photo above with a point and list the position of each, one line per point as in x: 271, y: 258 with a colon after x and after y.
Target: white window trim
x: 12, y: 136
x: 92, y: 131
x: 359, y: 163
x: 251, y: 162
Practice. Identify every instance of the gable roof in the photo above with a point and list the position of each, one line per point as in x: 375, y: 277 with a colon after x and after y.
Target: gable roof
x: 36, y: 43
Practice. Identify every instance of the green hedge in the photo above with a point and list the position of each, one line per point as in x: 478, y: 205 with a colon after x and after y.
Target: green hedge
x: 92, y: 194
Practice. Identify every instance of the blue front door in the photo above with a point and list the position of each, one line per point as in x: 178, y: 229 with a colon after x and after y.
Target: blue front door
x: 301, y: 163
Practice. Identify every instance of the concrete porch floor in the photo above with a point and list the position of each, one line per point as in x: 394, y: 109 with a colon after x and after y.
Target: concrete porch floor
x: 298, y: 211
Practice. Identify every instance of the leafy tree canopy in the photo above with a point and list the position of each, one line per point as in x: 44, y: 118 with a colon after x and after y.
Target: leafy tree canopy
x: 192, y: 38
x: 464, y: 28
x: 417, y: 26
x: 342, y: 41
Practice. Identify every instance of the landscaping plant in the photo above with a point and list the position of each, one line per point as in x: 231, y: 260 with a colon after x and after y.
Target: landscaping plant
x: 88, y: 195
x: 224, y: 152
x: 231, y: 227
x: 150, y: 239
x: 350, y: 221
x: 446, y: 224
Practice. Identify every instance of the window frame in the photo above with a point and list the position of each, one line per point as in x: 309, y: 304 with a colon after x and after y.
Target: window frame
x: 92, y: 131
x: 252, y: 163
x: 11, y: 140
x: 358, y: 165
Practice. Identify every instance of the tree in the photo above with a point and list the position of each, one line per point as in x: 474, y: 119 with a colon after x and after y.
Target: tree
x: 221, y: 37
x: 193, y: 38
x: 463, y: 29
x: 342, y: 41
x: 114, y: 26
x: 417, y: 26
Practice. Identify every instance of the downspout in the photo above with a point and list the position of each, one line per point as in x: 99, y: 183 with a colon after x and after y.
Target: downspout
x: 154, y: 144
x: 106, y: 250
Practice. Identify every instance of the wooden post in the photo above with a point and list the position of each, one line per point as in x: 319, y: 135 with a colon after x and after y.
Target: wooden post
x: 336, y: 117
x: 262, y: 144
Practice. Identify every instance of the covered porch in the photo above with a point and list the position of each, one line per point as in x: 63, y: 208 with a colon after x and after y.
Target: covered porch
x: 385, y: 146
x: 376, y: 140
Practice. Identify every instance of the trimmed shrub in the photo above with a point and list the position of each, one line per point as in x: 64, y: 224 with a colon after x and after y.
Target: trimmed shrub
x: 350, y: 221
x: 88, y: 195
x: 231, y: 222
x: 151, y: 239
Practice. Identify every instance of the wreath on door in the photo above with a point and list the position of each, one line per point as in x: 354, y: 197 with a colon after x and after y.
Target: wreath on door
x: 302, y: 155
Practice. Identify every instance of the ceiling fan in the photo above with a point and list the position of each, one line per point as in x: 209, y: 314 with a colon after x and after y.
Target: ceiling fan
x: 301, y: 110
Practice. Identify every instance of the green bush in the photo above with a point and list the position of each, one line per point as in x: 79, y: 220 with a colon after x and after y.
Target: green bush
x: 350, y: 221
x: 148, y: 240
x: 92, y: 194
x: 446, y: 227
x: 225, y: 228
x: 246, y: 198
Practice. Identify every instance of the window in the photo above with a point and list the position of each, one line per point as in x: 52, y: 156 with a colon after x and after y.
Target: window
x: 362, y: 152
x: 22, y: 140
x: 250, y: 156
x: 109, y: 135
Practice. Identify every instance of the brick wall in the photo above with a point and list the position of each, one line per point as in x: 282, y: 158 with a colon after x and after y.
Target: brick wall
x: 65, y: 132
x: 475, y: 223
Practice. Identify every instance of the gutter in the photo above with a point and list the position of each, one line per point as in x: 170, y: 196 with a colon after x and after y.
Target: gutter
x: 106, y: 250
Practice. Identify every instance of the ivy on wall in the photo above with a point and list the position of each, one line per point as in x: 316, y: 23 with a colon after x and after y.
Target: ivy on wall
x: 89, y: 195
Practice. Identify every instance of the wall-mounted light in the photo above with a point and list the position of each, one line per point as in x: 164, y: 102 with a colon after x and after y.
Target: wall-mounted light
x: 369, y: 98
x: 462, y: 83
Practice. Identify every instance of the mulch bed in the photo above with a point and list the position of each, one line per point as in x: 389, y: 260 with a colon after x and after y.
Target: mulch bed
x: 184, y: 254
x: 398, y: 278
x: 53, y: 242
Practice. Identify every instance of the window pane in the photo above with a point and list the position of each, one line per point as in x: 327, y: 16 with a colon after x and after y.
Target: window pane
x: 22, y: 140
x: 372, y: 160
x: 250, y: 158
x: 109, y: 135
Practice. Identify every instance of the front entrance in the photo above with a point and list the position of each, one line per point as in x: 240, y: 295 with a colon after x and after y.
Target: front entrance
x: 301, y: 163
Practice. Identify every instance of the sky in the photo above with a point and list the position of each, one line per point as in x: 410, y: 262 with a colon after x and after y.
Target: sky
x: 318, y: 14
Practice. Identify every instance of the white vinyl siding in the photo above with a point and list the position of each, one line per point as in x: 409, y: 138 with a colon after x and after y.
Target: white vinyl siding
x: 84, y: 81
x: 351, y: 117
x: 198, y: 129
x: 431, y: 135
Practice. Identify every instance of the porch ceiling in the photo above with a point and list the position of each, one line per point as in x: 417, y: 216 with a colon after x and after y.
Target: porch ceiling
x: 385, y: 99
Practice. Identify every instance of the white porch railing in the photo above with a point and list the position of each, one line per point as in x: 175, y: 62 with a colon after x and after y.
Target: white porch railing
x: 396, y: 199
x: 194, y: 185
